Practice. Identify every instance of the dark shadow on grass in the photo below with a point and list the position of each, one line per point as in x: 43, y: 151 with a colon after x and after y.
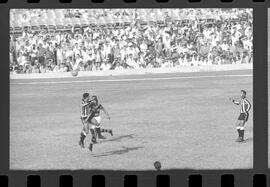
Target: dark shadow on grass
x: 118, y: 152
x: 118, y: 139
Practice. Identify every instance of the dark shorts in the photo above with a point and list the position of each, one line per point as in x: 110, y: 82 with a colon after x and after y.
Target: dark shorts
x: 243, y: 116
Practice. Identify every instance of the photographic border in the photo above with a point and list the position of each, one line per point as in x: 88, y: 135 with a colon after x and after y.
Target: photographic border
x: 148, y: 178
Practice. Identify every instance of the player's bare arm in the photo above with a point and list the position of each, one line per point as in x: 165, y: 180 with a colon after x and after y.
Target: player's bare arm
x: 234, y: 101
x: 105, y: 111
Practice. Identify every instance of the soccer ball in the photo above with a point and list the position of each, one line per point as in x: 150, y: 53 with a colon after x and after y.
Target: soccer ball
x: 157, y: 165
x: 74, y: 73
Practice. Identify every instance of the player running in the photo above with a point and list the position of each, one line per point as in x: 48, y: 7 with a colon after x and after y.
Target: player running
x: 97, y: 107
x: 87, y: 114
x: 243, y: 117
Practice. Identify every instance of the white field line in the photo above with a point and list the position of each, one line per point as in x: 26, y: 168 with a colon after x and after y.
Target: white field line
x: 131, y: 80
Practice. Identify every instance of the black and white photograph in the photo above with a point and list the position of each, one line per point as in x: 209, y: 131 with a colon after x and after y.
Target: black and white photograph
x: 131, y: 89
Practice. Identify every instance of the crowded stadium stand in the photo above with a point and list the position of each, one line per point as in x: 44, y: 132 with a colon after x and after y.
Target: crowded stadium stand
x: 61, y: 40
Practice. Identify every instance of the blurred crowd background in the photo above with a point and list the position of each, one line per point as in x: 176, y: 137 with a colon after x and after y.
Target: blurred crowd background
x: 61, y: 40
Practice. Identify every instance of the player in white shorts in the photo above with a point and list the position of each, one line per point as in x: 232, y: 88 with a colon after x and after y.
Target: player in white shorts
x: 97, y: 107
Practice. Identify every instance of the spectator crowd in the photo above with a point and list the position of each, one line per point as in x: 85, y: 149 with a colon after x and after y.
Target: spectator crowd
x: 183, y: 37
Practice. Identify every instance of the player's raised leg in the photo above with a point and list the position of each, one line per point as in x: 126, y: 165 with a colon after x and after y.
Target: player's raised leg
x: 99, y: 135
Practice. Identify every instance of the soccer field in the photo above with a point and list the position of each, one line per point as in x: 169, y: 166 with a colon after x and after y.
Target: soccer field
x: 182, y: 120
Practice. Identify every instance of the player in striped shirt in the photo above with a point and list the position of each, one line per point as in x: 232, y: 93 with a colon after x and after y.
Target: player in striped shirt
x: 243, y: 117
x: 87, y: 114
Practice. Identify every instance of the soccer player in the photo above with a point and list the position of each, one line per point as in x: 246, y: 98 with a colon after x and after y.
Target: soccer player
x: 243, y: 117
x: 87, y: 119
x: 97, y: 108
